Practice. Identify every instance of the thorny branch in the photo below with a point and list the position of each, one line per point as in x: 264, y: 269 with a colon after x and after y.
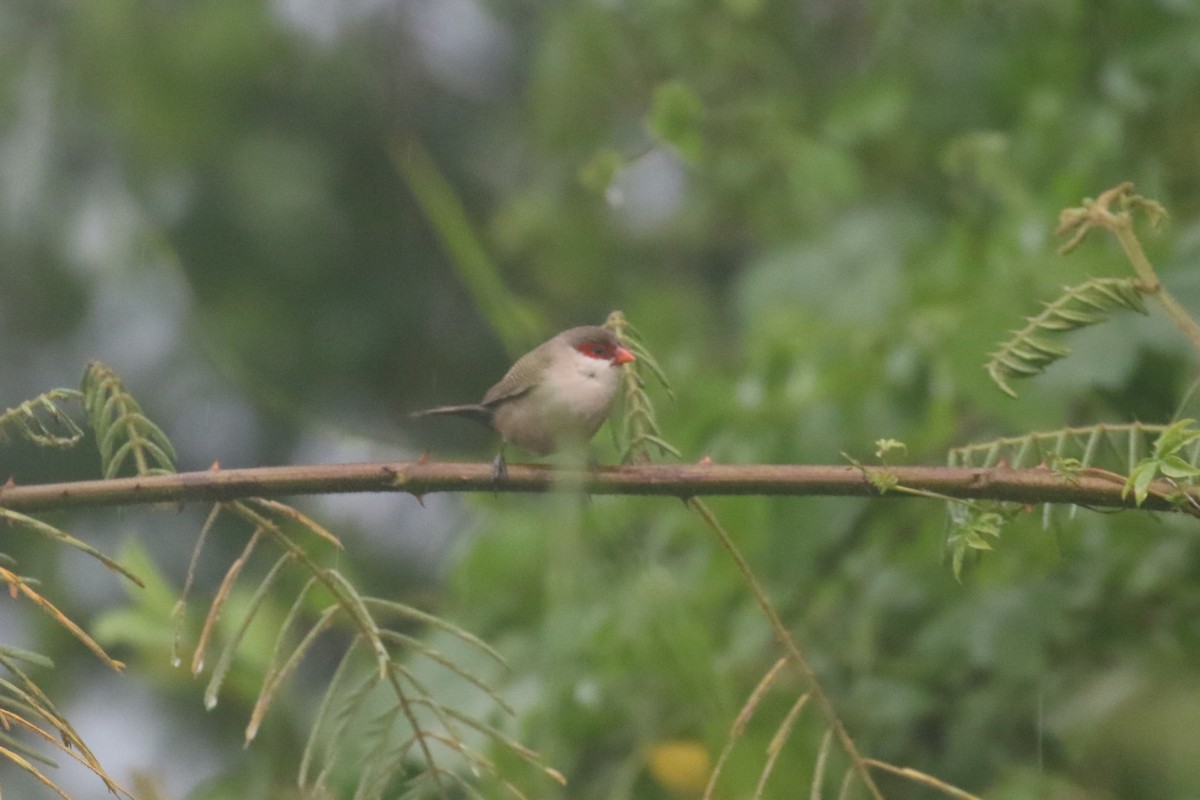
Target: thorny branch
x: 1092, y: 487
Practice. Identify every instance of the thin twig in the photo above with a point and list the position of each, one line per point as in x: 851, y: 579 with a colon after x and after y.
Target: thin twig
x: 790, y: 646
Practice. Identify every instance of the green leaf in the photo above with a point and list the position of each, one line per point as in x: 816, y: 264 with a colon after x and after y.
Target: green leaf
x: 1175, y: 437
x: 598, y: 172
x: 885, y: 446
x: 1175, y: 467
x: 1139, y: 481
x: 675, y: 118
x: 976, y: 542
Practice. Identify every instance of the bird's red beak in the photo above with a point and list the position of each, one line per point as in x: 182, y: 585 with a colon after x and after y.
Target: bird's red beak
x: 623, y: 356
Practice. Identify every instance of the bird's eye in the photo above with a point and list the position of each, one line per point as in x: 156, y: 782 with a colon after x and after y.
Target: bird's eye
x: 595, y: 350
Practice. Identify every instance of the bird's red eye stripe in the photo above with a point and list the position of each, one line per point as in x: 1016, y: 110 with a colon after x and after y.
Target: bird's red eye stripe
x: 596, y: 350
x: 606, y: 351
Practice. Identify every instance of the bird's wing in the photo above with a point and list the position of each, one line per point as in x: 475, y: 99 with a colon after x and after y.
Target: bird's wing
x: 519, y: 380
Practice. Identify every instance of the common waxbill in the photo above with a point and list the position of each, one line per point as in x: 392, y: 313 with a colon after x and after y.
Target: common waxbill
x: 556, y: 395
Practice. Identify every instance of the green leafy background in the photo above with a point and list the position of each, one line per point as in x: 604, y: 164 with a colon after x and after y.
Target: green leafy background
x: 288, y: 224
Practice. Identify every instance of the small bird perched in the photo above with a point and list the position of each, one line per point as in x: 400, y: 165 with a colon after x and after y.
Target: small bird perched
x: 556, y: 395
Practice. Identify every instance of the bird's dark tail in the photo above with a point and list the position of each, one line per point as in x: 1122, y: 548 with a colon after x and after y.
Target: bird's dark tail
x: 481, y: 414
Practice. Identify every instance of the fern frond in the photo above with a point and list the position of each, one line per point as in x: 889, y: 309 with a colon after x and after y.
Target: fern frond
x: 379, y: 721
x: 432, y: 620
x: 230, y: 648
x: 516, y: 748
x: 218, y: 603
x: 19, y: 586
x: 782, y: 734
x: 916, y: 776
x: 334, y: 714
x: 281, y: 668
x: 1113, y: 447
x: 126, y: 437
x: 15, y: 519
x: 24, y: 707
x: 302, y: 520
x: 738, y: 728
x: 1029, y: 353
x: 179, y: 612
x: 819, y: 769
x: 639, y: 424
x: 43, y: 421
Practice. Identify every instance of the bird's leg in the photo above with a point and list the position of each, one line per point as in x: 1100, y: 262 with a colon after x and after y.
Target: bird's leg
x: 499, y: 467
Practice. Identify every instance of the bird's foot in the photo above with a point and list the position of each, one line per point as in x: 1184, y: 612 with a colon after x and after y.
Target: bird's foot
x: 499, y: 468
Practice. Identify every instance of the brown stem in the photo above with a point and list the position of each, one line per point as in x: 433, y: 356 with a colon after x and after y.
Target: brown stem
x: 1038, y: 485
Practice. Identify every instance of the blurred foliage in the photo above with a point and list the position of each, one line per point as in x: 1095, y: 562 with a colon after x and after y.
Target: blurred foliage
x: 821, y: 217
